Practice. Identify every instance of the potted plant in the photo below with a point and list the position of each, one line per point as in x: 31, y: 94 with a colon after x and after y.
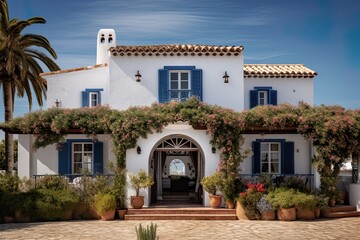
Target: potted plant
x: 322, y: 203
x: 305, y: 206
x: 247, y: 202
x: 212, y: 184
x: 105, y: 206
x: 139, y: 181
x: 229, y: 190
x: 265, y: 209
x: 284, y: 201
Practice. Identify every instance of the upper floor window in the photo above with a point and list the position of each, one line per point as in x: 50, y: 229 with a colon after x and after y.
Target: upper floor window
x: 263, y: 96
x: 91, y: 97
x: 179, y: 83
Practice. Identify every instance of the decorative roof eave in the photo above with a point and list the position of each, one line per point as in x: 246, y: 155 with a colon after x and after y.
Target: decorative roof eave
x: 75, y: 69
x: 278, y: 71
x: 176, y: 50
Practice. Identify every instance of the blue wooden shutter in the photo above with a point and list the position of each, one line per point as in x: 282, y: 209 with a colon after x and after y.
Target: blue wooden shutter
x: 272, y: 97
x: 98, y: 157
x: 256, y: 157
x: 85, y: 98
x: 64, y: 160
x: 254, y: 98
x: 288, y: 158
x: 99, y: 97
x: 163, y: 85
x: 196, y: 83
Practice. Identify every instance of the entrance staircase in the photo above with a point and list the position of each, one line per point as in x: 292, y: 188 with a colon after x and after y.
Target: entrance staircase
x: 180, y: 213
x: 340, y: 211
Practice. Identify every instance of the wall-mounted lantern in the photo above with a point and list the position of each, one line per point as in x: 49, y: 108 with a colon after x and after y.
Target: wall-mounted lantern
x: 57, y: 103
x: 138, y: 150
x: 138, y: 76
x: 226, y: 77
x: 213, y: 150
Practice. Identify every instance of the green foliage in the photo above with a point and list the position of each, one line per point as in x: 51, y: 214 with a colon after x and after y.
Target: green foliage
x: 303, y: 200
x: 118, y: 188
x: 146, y: 233
x: 140, y: 180
x: 51, y: 204
x: 88, y: 187
x: 296, y: 183
x: 104, y: 202
x: 9, y: 182
x: 2, y: 153
x: 282, y: 198
x: 212, y: 183
x: 53, y: 182
x: 229, y: 188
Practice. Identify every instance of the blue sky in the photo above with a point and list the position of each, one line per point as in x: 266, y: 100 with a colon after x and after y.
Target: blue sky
x: 322, y: 34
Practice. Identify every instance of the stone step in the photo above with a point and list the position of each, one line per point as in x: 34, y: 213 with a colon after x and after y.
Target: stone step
x: 342, y: 214
x: 341, y: 208
x: 180, y: 217
x: 183, y: 211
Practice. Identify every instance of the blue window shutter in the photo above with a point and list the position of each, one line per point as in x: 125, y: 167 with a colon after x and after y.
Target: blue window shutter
x: 99, y: 98
x: 85, y: 98
x: 272, y: 97
x: 256, y: 157
x: 288, y: 158
x: 254, y: 98
x: 64, y: 160
x: 196, y: 83
x: 163, y: 85
x: 98, y: 157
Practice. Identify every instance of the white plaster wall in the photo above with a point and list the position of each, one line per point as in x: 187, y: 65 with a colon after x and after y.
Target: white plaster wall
x: 302, y: 151
x: 135, y: 162
x: 67, y: 87
x: 289, y: 90
x: 125, y: 91
x: 45, y: 160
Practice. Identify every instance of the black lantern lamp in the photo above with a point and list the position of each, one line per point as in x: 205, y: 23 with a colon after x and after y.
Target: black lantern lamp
x: 226, y: 77
x: 138, y: 150
x: 57, y: 103
x: 138, y: 76
x: 213, y: 150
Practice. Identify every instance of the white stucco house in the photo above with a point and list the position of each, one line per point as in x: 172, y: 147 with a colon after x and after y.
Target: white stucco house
x: 180, y: 155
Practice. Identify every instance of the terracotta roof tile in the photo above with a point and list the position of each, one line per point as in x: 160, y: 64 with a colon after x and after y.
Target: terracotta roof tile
x: 176, y: 50
x: 74, y: 69
x: 277, y: 70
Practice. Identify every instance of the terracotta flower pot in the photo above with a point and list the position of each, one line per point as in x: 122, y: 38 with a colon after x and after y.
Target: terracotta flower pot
x: 317, y: 212
x: 268, y: 215
x: 230, y: 204
x: 241, y: 213
x: 286, y: 214
x: 305, y: 214
x: 215, y: 201
x: 137, y: 202
x: 110, y: 215
x: 121, y: 213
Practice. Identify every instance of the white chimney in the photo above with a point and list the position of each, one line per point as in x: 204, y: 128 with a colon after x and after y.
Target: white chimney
x: 106, y: 39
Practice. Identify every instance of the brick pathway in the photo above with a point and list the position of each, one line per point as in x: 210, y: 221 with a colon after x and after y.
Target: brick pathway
x: 346, y: 228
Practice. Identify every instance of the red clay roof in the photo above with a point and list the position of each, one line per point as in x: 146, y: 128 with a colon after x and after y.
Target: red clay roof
x: 176, y: 50
x: 278, y: 71
x: 74, y: 69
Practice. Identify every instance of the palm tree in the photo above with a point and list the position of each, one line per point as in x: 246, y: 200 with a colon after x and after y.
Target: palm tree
x: 20, y: 68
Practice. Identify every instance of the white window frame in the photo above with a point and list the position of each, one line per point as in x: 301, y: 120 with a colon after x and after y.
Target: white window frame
x: 270, y: 161
x: 83, y: 156
x: 90, y: 99
x: 179, y: 96
x: 264, y: 98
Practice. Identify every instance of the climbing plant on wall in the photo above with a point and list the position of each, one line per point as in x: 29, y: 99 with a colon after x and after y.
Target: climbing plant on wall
x: 333, y: 130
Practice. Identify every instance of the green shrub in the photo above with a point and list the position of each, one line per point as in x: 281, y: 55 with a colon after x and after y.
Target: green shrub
x: 303, y: 200
x: 212, y: 183
x: 24, y: 202
x: 146, y: 233
x: 104, y: 203
x: 296, y: 183
x: 7, y: 207
x: 282, y: 198
x: 9, y: 183
x: 88, y: 187
x: 140, y: 180
x: 53, y: 182
x: 51, y: 204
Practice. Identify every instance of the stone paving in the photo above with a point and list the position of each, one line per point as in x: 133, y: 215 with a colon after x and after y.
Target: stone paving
x: 345, y: 228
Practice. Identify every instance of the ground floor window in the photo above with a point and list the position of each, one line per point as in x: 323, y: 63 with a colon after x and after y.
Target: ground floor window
x: 82, y: 158
x: 270, y: 157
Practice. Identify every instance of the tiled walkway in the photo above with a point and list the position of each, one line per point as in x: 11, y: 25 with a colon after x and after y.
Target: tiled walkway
x: 346, y: 228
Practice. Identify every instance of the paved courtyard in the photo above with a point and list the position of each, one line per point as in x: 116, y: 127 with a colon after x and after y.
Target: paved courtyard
x: 346, y: 228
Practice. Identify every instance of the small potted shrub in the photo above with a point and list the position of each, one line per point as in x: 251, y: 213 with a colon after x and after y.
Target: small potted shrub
x: 305, y: 206
x: 212, y: 184
x: 230, y: 192
x: 105, y: 205
x: 284, y: 201
x: 321, y: 204
x: 139, y: 181
x: 265, y: 209
x: 247, y: 202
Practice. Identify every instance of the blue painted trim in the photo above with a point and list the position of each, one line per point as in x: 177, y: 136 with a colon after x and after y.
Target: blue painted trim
x: 262, y: 88
x: 179, y: 67
x: 70, y: 142
x: 271, y: 140
x: 94, y: 89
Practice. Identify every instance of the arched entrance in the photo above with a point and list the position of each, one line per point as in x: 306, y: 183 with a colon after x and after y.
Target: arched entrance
x: 177, y: 166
